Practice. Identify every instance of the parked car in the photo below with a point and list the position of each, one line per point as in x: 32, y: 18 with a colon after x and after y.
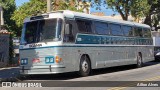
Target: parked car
x: 157, y: 53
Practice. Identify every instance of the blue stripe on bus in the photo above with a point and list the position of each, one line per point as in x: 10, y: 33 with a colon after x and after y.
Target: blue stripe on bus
x: 104, y: 39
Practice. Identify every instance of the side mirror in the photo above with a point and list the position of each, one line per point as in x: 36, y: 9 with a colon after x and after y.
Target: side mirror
x: 67, y: 29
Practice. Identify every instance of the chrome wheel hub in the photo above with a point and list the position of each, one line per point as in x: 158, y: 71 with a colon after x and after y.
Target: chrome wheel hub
x: 85, y: 66
x: 139, y: 61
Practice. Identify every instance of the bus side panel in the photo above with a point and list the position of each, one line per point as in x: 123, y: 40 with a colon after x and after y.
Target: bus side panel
x: 118, y: 55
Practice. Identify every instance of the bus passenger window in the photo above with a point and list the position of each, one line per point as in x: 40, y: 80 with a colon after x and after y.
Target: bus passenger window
x: 128, y: 31
x: 101, y: 28
x: 138, y: 32
x: 68, y: 37
x: 116, y: 29
x: 84, y: 26
x: 146, y: 32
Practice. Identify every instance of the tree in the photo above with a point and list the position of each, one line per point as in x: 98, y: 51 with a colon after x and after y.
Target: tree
x: 123, y: 7
x: 155, y: 21
x: 65, y: 5
x: 31, y: 8
x: 153, y: 17
x: 8, y: 8
x: 137, y: 8
x: 37, y: 7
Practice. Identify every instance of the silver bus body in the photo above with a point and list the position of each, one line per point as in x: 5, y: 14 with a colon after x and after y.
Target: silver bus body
x: 57, y: 56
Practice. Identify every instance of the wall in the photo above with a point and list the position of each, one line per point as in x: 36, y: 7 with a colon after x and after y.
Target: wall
x: 4, y: 49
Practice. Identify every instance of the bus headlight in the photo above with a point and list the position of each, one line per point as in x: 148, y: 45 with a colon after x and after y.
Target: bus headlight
x: 49, y: 60
x: 24, y: 61
x: 56, y: 59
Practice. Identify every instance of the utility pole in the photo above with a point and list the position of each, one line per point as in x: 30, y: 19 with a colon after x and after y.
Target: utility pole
x: 1, y: 17
x: 48, y: 5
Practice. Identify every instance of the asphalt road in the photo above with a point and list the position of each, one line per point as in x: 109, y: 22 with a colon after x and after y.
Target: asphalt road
x: 117, y: 78
x: 9, y: 72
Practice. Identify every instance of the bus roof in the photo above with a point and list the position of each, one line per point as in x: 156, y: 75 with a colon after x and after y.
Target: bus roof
x: 68, y: 13
x: 72, y: 14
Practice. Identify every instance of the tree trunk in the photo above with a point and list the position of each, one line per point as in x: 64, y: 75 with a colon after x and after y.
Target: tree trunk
x: 148, y: 20
x: 124, y: 16
x: 48, y: 5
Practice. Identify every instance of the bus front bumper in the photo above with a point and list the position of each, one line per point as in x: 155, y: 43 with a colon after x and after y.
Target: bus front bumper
x: 24, y: 70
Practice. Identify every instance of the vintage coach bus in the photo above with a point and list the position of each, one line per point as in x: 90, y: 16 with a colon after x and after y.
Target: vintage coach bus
x: 66, y: 41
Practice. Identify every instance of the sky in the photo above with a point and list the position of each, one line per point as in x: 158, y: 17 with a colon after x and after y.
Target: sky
x: 103, y: 9
x: 20, y: 2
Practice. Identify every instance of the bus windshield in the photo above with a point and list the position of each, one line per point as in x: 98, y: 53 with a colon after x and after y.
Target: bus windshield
x: 45, y: 30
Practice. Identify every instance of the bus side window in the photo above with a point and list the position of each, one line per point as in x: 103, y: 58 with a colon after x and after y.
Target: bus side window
x: 138, y: 32
x: 101, y: 28
x: 84, y: 26
x: 147, y: 33
x: 116, y: 29
x: 68, y: 33
x: 128, y: 31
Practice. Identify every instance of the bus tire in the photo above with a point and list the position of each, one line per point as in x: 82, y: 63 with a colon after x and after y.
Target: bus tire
x: 85, y: 66
x: 139, y: 61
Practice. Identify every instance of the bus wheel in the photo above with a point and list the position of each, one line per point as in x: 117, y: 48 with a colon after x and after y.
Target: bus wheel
x: 85, y: 66
x: 139, y: 61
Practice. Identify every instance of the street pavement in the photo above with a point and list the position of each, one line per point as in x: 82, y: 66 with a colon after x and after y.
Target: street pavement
x: 151, y: 72
x: 9, y: 72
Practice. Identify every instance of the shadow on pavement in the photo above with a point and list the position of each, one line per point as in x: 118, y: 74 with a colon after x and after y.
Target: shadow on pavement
x: 72, y: 75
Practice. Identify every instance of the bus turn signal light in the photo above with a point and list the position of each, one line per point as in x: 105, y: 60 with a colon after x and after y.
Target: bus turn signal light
x: 58, y: 59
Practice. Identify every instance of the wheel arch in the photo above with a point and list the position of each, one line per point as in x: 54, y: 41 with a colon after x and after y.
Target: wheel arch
x: 141, y: 59
x: 87, y: 57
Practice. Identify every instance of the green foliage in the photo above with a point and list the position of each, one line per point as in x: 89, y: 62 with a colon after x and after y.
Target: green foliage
x: 140, y: 8
x: 155, y: 19
x: 137, y: 8
x: 37, y: 7
x: 8, y: 8
x: 155, y: 15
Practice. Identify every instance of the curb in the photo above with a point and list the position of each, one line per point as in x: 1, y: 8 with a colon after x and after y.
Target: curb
x: 8, y: 68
